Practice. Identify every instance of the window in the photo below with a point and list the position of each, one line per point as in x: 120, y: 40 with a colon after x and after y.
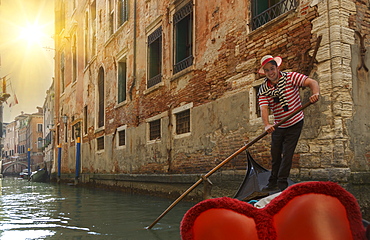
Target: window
x: 257, y: 106
x: 122, y: 81
x: 183, y: 37
x: 74, y: 59
x: 60, y: 17
x: 62, y: 80
x: 264, y: 11
x: 122, y: 137
x: 39, y: 143
x: 85, y: 120
x: 65, y: 133
x: 155, y: 57
x: 100, y: 143
x: 76, y: 131
x: 183, y: 122
x: 155, y: 129
x: 111, y: 16
x: 101, y: 97
x: 122, y: 12
x: 93, y: 27
x: 86, y: 34
x: 39, y: 127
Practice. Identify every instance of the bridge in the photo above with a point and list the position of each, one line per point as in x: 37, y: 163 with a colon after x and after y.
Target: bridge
x: 13, y: 165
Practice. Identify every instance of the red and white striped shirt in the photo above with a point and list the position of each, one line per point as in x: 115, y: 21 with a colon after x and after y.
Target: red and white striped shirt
x: 294, y: 81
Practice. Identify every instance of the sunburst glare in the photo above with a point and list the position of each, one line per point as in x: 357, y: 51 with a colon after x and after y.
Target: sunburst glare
x: 33, y: 34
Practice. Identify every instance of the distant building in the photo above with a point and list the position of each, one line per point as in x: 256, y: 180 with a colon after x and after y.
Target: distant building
x: 48, y: 127
x: 25, y: 132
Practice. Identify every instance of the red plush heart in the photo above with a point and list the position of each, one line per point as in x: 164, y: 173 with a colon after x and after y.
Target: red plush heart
x: 311, y: 210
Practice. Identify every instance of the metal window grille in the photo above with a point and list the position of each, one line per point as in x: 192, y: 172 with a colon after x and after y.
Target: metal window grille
x: 183, y: 122
x: 272, y: 11
x: 183, y: 20
x: 122, y: 138
x: 187, y: 62
x: 100, y: 143
x: 155, y: 57
x: 183, y: 12
x: 155, y: 129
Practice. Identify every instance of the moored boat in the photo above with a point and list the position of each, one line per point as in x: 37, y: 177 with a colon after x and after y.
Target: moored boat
x: 40, y: 175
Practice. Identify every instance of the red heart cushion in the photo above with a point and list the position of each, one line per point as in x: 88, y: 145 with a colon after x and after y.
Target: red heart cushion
x: 312, y: 211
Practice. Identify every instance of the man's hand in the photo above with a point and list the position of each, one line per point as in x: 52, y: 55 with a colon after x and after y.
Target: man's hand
x: 314, y: 98
x: 269, y: 128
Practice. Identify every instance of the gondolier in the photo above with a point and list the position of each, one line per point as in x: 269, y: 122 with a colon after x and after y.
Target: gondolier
x: 280, y: 94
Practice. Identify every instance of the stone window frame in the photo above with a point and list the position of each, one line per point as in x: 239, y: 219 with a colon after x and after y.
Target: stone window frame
x: 178, y: 110
x: 152, y: 119
x: 122, y: 81
x: 122, y: 128
x: 100, y: 144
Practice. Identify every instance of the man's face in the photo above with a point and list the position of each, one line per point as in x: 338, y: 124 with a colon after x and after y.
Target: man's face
x: 271, y: 72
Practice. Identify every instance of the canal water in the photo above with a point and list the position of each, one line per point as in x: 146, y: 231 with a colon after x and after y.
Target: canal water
x: 31, y: 210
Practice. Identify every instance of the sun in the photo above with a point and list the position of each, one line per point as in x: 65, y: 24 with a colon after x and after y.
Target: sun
x: 33, y: 34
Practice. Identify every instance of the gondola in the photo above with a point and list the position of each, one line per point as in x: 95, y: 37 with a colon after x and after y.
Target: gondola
x: 309, y: 210
x: 40, y: 175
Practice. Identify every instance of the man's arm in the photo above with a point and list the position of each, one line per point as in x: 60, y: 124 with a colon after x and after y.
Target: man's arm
x: 265, y: 119
x: 315, y: 89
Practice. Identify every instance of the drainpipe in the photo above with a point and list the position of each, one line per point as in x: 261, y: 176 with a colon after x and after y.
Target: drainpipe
x: 134, y: 63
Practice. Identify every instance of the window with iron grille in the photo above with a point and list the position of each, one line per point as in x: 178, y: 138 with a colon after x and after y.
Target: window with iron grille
x: 155, y: 57
x: 100, y: 143
x: 122, y: 11
x: 122, y: 81
x: 122, y: 137
x: 183, y: 122
x: 155, y: 129
x: 101, y: 98
x: 264, y: 11
x: 183, y: 37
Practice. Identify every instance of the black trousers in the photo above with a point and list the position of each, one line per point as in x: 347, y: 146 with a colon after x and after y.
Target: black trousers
x: 283, y: 144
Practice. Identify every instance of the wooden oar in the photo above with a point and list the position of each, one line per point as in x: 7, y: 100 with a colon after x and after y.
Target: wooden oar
x: 224, y: 162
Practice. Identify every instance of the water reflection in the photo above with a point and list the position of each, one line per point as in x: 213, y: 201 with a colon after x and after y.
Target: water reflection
x: 50, y: 211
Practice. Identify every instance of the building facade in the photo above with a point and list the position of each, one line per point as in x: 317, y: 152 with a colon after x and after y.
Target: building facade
x: 169, y: 87
x: 48, y: 127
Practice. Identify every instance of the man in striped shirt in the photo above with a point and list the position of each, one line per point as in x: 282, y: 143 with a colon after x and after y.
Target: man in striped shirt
x: 280, y: 94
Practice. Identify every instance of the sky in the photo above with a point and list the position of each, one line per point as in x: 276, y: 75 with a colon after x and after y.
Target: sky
x: 27, y: 53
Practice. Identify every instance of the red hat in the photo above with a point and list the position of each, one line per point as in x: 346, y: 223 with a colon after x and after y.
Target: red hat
x: 267, y: 59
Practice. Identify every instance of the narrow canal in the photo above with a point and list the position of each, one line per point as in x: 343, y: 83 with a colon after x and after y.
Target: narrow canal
x: 50, y: 211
